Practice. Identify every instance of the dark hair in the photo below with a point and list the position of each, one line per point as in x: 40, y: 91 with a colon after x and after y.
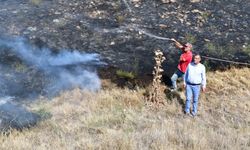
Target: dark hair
x: 196, y: 54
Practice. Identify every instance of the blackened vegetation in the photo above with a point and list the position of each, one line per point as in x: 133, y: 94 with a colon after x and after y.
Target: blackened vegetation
x: 13, y: 116
x: 216, y: 28
x: 28, y: 72
x: 19, y: 79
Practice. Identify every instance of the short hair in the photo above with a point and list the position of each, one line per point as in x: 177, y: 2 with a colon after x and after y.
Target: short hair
x: 197, y: 55
x: 189, y: 45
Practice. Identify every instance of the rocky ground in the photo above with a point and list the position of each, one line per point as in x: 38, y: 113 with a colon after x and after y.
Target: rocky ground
x: 121, y: 30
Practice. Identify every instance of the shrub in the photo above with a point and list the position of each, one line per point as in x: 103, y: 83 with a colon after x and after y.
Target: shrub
x: 246, y: 50
x: 214, y: 49
x: 120, y: 19
x: 36, y: 2
x: 205, y: 15
x: 125, y: 74
x: 20, y: 67
x: 227, y: 51
x: 190, y: 38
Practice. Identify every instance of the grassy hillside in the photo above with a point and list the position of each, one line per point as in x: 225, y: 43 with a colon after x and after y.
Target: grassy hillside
x: 116, y: 118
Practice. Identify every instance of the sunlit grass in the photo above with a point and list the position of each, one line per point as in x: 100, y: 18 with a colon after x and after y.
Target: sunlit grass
x: 119, y: 119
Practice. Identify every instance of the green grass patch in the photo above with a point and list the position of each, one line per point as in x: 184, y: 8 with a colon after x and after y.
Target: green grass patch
x: 246, y: 50
x: 125, y: 74
x: 36, y: 2
x: 43, y: 113
x: 20, y: 67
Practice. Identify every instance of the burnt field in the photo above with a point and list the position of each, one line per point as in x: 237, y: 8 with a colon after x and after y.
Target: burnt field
x: 116, y: 29
x: 74, y: 74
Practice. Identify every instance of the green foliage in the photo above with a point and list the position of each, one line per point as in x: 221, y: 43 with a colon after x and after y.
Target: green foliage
x: 227, y: 51
x: 36, y: 2
x: 246, y: 50
x: 43, y: 113
x: 190, y: 38
x: 207, y: 65
x: 20, y: 67
x: 120, y: 19
x: 205, y: 15
x: 125, y: 74
x: 214, y: 49
x: 211, y: 48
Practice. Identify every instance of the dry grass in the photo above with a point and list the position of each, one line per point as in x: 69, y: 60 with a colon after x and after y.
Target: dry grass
x: 118, y: 119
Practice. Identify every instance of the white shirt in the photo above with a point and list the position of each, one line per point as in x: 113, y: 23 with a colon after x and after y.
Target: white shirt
x: 195, y: 74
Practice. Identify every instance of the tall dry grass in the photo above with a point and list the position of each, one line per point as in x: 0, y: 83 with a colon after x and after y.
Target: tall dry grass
x: 119, y: 119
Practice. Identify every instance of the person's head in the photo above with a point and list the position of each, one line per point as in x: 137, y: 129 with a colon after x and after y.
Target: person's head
x: 188, y: 47
x: 197, y: 58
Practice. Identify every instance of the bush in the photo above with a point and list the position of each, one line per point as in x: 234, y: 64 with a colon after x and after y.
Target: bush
x: 226, y: 51
x: 214, y: 49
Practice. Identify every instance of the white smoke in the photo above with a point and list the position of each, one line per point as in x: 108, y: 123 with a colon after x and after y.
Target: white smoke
x: 44, y: 57
x: 64, y: 70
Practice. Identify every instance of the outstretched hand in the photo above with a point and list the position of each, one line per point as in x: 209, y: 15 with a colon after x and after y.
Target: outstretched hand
x: 172, y: 39
x: 178, y: 45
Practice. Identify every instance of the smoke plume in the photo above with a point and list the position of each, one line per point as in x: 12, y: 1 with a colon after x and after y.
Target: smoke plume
x: 26, y: 70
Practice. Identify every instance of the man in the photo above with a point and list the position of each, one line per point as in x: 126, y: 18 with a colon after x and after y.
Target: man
x: 194, y: 80
x: 185, y: 59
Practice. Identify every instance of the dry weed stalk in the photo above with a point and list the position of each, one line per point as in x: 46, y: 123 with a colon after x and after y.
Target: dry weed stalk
x: 156, y: 94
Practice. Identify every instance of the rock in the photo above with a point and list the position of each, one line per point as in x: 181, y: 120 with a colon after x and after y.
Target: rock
x: 181, y: 20
x: 78, y: 27
x: 163, y: 26
x: 207, y: 40
x: 168, y: 1
x: 137, y: 5
x: 58, y: 13
x: 15, y: 12
x: 32, y: 28
x: 135, y: 1
x: 56, y: 20
x: 188, y: 23
x: 196, y: 11
x: 195, y: 1
x: 60, y: 21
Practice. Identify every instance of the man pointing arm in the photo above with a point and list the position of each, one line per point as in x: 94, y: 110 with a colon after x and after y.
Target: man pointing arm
x: 185, y: 59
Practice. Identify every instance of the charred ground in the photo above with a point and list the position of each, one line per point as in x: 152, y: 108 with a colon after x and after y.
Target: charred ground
x: 216, y: 28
